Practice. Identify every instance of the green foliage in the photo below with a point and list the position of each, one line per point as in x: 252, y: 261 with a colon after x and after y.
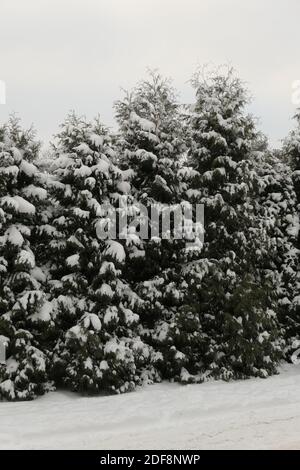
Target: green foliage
x: 98, y: 314
x: 24, y: 310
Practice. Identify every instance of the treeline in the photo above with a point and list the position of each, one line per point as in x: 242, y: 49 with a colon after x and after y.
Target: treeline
x: 96, y: 315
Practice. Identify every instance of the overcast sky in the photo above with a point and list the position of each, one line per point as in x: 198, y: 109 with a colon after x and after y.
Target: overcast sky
x: 57, y: 55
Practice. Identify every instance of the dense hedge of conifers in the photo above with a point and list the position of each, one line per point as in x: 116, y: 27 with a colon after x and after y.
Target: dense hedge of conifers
x: 94, y: 314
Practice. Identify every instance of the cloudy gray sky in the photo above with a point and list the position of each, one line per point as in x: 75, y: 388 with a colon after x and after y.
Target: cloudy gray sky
x: 57, y: 55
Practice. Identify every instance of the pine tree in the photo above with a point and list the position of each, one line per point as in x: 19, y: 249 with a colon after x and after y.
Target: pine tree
x: 223, y: 142
x: 25, y: 312
x: 97, y: 348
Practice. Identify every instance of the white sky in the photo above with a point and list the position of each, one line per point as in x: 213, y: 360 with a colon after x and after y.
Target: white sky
x: 57, y: 55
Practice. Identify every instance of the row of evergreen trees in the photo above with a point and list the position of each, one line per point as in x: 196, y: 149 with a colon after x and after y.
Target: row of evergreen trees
x: 97, y: 315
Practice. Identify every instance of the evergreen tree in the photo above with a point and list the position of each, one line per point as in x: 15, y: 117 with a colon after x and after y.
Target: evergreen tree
x: 25, y: 312
x: 290, y: 317
x: 217, y: 328
x: 97, y: 348
x: 152, y: 144
x: 291, y: 150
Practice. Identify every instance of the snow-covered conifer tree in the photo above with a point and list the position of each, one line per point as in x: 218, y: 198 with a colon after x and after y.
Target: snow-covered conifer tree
x: 290, y: 317
x: 97, y: 346
x: 291, y: 150
x: 228, y: 327
x: 152, y: 143
x: 25, y: 313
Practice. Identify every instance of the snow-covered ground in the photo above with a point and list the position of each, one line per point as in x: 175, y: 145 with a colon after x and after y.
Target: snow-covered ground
x: 252, y: 414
